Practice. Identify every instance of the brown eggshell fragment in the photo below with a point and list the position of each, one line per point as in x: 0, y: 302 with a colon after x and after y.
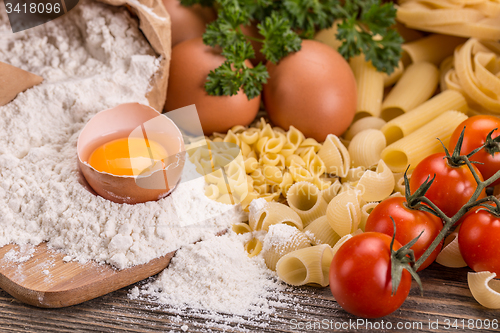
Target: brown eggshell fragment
x: 132, y: 120
x: 188, y: 22
x: 190, y: 65
x: 14, y: 80
x: 313, y: 89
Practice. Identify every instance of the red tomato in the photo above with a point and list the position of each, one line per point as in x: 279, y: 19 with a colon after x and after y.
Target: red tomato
x: 360, y: 276
x: 479, y: 241
x: 477, y: 128
x: 409, y: 224
x: 452, y: 187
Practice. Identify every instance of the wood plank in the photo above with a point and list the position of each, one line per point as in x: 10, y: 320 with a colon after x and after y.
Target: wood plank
x: 446, y: 297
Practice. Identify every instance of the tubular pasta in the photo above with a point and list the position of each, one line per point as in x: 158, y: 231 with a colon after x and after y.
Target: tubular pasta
x: 354, y: 175
x: 370, y: 83
x: 344, y: 212
x: 319, y: 231
x: 363, y: 124
x: 434, y: 48
x: 450, y: 254
x: 335, y: 156
x: 407, y: 123
x: 417, y: 84
x: 485, y: 289
x: 280, y: 240
x: 306, y: 200
x: 413, y: 148
x: 264, y: 214
x: 376, y: 185
x: 365, y: 148
x: 328, y: 36
x: 310, y: 266
x: 389, y: 80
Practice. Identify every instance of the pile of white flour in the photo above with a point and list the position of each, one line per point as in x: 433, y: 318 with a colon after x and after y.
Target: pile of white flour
x: 91, y: 59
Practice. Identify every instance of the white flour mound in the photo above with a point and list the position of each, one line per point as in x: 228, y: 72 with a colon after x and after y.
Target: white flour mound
x: 214, y: 275
x: 92, y: 59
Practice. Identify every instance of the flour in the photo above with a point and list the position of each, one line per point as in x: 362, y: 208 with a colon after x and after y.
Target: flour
x: 215, y: 275
x: 91, y: 59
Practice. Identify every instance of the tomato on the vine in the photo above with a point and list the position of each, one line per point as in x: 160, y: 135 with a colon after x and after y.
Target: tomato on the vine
x: 479, y: 241
x: 453, y: 185
x: 360, y: 276
x: 477, y: 129
x: 409, y: 224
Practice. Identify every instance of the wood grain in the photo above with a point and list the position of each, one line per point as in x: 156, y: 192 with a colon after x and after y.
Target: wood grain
x: 446, y: 297
x: 45, y: 280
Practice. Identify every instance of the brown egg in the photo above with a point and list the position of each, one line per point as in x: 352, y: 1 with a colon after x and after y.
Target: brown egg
x: 188, y: 22
x: 313, y: 89
x: 137, y: 122
x: 191, y: 62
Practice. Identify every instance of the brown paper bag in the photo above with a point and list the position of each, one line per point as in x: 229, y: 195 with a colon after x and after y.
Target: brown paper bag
x: 154, y: 22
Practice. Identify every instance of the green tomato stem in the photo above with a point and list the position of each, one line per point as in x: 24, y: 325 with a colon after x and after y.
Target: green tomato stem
x: 450, y: 221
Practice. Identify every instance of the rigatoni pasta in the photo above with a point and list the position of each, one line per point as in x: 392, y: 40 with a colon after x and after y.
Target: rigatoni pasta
x: 413, y: 148
x: 407, y: 123
x: 434, y: 48
x: 370, y: 84
x: 418, y: 83
x: 308, y: 266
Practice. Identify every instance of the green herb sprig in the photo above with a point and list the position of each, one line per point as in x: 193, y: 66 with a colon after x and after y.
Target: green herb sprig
x: 364, y: 27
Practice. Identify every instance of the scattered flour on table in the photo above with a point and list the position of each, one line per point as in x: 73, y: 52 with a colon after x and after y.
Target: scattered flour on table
x: 91, y: 59
x: 215, y: 275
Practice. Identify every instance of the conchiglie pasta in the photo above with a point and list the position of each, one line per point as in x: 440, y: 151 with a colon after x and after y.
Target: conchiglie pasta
x: 365, y: 212
x: 332, y: 191
x: 308, y: 266
x: 363, y: 124
x: 376, y: 185
x: 365, y: 148
x: 294, y: 137
x: 485, y: 289
x: 253, y: 247
x: 344, y: 212
x: 335, y: 156
x: 280, y: 240
x: 306, y: 200
x: 450, y: 254
x: 319, y: 231
x: 263, y: 214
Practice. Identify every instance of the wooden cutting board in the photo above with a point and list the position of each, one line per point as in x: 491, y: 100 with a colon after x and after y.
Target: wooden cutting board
x: 45, y: 280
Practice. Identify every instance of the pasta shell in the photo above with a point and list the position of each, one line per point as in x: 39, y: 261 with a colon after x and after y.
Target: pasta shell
x: 319, y: 232
x: 306, y: 200
x: 365, y: 148
x: 253, y: 247
x: 332, y: 191
x: 344, y: 212
x: 485, y: 289
x: 280, y: 240
x: 309, y: 266
x: 364, y: 124
x: 365, y: 212
x: 264, y: 214
x: 376, y: 185
x: 335, y: 156
x: 450, y: 254
x: 294, y: 137
x: 241, y: 228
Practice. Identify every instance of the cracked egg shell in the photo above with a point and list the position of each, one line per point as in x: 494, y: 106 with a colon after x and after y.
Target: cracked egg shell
x: 132, y: 120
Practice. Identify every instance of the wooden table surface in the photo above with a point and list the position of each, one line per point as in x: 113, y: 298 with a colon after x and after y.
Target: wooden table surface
x: 447, y: 301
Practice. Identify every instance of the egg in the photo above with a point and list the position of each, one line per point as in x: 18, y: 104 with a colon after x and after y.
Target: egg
x: 131, y: 154
x: 190, y: 65
x: 313, y: 89
x: 187, y: 22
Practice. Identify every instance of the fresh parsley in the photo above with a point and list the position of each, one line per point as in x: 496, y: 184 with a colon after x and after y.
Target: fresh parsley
x: 364, y: 27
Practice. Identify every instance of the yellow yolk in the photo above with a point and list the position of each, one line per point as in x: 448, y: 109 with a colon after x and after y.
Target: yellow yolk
x: 127, y: 156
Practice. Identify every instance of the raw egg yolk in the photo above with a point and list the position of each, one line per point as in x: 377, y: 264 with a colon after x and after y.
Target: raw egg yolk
x: 127, y: 156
